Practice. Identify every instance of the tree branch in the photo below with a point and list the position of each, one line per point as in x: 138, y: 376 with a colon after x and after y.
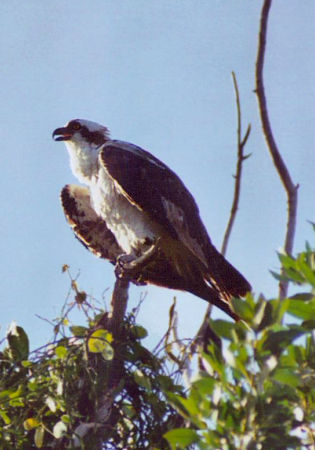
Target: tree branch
x: 290, y: 188
x: 205, y: 333
x: 112, y: 322
x: 114, y: 325
x: 241, y: 142
x: 118, y: 306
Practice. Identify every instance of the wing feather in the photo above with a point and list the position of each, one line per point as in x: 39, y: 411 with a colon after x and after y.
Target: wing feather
x: 154, y: 188
x: 89, y: 228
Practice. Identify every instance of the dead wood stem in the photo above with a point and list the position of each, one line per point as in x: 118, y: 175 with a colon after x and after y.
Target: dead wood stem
x: 290, y: 188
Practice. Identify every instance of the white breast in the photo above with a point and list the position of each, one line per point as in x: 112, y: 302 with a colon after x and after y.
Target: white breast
x: 130, y: 226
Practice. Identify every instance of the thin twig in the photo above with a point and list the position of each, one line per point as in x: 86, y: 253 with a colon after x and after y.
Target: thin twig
x: 290, y: 188
x: 204, y: 329
x: 241, y: 142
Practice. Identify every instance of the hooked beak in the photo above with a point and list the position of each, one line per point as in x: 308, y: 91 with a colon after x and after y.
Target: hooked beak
x: 62, y: 134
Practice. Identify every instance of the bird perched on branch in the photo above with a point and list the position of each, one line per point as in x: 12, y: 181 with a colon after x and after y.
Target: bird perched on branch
x: 137, y: 213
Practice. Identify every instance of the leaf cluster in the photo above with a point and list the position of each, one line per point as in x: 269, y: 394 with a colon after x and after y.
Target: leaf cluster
x: 258, y: 391
x: 50, y: 398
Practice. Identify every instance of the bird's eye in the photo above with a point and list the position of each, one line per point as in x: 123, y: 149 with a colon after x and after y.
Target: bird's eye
x: 76, y: 126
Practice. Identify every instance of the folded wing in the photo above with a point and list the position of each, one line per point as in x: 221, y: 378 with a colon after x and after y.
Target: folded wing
x: 156, y: 190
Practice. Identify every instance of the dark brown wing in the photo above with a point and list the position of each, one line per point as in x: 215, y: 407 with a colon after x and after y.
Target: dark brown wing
x: 154, y: 188
x: 89, y: 228
x: 158, y: 191
x: 93, y: 233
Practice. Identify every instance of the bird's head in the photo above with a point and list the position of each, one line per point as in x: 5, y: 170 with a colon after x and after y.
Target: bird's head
x: 82, y: 132
x: 83, y: 140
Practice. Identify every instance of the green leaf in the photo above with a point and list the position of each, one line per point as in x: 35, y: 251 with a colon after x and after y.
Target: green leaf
x: 295, y: 276
x: 303, y: 310
x: 39, y: 437
x: 286, y: 376
x: 306, y: 270
x: 16, y: 397
x: 222, y: 328
x: 304, y: 296
x: 213, y: 358
x: 278, y: 340
x: 309, y: 324
x: 61, y: 352
x: 65, y: 418
x: 17, y: 402
x: 279, y: 308
x: 242, y: 309
x: 142, y: 379
x: 18, y: 342
x: 138, y: 331
x: 78, y: 330
x: 59, y: 429
x: 129, y: 410
x: 99, y: 342
x: 286, y: 260
x: 30, y: 423
x: 32, y: 385
x: 4, y: 395
x: 182, y: 437
x: 166, y: 383
x: 5, y: 417
x: 267, y: 317
x: 189, y: 407
x: 205, y: 385
x: 278, y: 276
x: 26, y: 363
x: 16, y: 393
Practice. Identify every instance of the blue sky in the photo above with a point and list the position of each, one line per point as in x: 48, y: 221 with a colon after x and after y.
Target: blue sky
x: 158, y: 74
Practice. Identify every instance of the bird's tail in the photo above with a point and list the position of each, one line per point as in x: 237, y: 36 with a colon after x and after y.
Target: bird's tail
x: 213, y: 296
x: 217, y: 283
x: 223, y: 276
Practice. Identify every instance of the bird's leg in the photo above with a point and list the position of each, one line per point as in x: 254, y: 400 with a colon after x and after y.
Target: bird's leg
x: 131, y: 267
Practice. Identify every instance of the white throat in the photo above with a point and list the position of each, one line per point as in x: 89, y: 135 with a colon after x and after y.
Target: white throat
x: 83, y: 160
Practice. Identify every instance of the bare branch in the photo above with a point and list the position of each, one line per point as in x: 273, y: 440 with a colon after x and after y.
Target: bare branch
x: 205, y: 330
x: 290, y: 188
x: 241, y: 142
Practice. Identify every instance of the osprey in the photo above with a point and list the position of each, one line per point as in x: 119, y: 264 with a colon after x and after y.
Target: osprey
x: 137, y: 213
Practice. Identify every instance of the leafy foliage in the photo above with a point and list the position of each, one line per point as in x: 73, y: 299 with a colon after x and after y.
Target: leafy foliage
x: 51, y: 397
x: 256, y: 392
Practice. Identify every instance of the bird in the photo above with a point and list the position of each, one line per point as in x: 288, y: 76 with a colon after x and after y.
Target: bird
x: 134, y: 211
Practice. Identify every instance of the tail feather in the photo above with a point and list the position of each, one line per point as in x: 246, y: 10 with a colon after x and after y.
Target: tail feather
x: 212, y: 296
x: 227, y: 279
